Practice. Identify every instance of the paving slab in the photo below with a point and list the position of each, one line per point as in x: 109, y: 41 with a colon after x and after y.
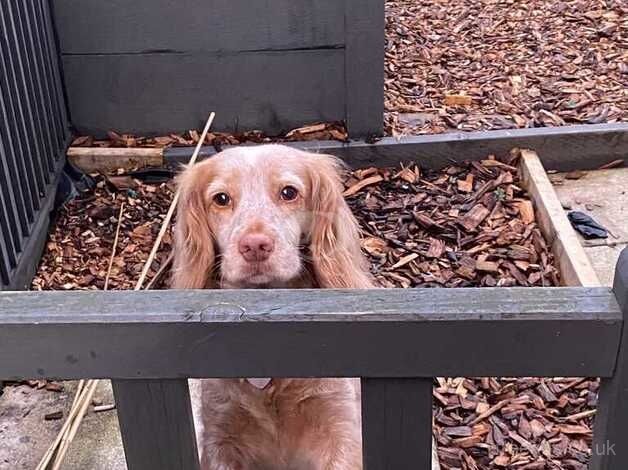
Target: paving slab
x: 602, y: 194
x: 26, y: 434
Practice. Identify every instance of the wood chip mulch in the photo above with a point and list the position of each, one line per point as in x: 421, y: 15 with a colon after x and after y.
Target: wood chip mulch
x: 501, y: 64
x: 80, y: 244
x: 468, y: 225
x: 508, y: 423
x: 465, y: 225
x: 316, y: 131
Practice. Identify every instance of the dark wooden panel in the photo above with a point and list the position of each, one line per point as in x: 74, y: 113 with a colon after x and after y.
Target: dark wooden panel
x: 560, y: 148
x: 33, y: 247
x: 596, y: 145
x: 117, y: 26
x: 397, y: 423
x: 376, y: 333
x: 41, y: 79
x: 21, y: 51
x: 55, y: 117
x: 33, y: 137
x: 15, y: 112
x: 156, y: 424
x: 364, y: 64
x: 157, y: 93
x: 44, y: 14
x: 610, y: 444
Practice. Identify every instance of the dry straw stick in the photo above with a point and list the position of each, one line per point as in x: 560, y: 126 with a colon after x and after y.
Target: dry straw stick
x: 172, y: 207
x: 115, y: 244
x: 86, y: 390
x: 61, y: 443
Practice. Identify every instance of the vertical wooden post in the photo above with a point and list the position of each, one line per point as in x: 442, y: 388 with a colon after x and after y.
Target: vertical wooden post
x: 364, y: 66
x: 610, y: 437
x: 156, y: 424
x: 397, y: 424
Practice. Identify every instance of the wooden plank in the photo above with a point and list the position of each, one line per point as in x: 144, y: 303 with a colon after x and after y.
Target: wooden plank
x: 160, y: 93
x: 14, y: 110
x: 364, y: 67
x: 397, y: 423
x: 574, y: 265
x: 91, y: 159
x: 35, y: 165
x: 29, y: 258
x: 403, y: 333
x: 610, y: 436
x: 45, y: 14
x: 156, y: 424
x: 30, y: 49
x: 39, y: 27
x: 560, y: 148
x: 139, y: 26
x: 43, y: 79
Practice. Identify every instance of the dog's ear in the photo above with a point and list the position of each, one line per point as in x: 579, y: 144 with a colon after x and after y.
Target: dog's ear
x: 193, y: 245
x: 337, y: 259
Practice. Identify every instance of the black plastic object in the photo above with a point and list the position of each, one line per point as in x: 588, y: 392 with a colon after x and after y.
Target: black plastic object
x: 586, y: 225
x: 72, y: 182
x: 153, y: 175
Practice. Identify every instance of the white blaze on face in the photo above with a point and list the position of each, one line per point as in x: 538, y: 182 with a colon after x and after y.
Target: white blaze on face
x: 254, y: 181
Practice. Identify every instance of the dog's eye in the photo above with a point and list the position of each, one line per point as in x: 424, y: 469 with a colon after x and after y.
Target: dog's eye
x: 289, y: 193
x: 222, y: 199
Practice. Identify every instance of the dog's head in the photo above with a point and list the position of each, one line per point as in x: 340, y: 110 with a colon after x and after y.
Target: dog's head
x: 265, y: 216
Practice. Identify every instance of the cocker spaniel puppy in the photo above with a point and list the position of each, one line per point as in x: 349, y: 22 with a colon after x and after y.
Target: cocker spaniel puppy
x: 270, y: 217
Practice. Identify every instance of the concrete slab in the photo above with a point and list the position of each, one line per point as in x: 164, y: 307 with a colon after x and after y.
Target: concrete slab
x: 603, y: 194
x: 25, y: 434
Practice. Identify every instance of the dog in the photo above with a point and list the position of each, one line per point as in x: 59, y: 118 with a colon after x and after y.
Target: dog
x: 270, y: 216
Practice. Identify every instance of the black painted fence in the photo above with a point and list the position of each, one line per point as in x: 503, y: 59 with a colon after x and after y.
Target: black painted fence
x: 396, y: 340
x: 153, y: 66
x: 33, y: 135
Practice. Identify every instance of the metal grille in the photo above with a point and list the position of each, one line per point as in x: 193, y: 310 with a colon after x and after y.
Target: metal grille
x: 33, y: 134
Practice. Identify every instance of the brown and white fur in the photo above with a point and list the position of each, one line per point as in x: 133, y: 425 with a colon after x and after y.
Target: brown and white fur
x: 271, y: 217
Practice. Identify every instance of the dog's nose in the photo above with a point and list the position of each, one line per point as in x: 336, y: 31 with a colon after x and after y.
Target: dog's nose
x: 256, y: 247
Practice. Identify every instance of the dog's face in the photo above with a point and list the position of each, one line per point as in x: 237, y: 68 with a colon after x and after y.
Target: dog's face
x: 265, y: 216
x: 259, y: 215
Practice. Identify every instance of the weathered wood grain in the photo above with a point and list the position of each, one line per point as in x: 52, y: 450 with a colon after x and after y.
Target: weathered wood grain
x: 90, y: 159
x: 573, y: 263
x: 161, y: 93
x: 560, y: 148
x: 376, y: 333
x: 140, y: 26
x: 397, y: 423
x: 33, y: 135
x: 156, y: 424
x: 610, y: 437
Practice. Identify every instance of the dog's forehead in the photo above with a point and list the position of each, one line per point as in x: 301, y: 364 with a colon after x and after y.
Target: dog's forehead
x: 265, y: 159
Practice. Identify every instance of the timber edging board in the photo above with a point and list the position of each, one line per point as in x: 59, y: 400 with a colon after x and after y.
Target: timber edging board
x: 573, y: 263
x: 580, y: 147
x: 370, y: 333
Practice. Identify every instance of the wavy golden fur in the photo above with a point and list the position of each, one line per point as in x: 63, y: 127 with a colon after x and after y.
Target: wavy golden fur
x: 271, y: 217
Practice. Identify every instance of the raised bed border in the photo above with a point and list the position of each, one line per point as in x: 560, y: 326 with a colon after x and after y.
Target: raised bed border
x: 569, y: 255
x: 580, y: 147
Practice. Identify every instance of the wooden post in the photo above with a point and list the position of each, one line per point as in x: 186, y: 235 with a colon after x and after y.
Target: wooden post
x: 364, y: 66
x: 397, y: 423
x: 156, y: 424
x: 610, y: 437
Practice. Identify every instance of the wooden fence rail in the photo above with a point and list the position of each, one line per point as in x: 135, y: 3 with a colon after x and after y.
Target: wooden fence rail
x: 34, y: 133
x: 396, y: 340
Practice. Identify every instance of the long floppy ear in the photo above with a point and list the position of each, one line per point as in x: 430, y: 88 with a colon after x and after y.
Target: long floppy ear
x: 337, y: 259
x: 193, y: 245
